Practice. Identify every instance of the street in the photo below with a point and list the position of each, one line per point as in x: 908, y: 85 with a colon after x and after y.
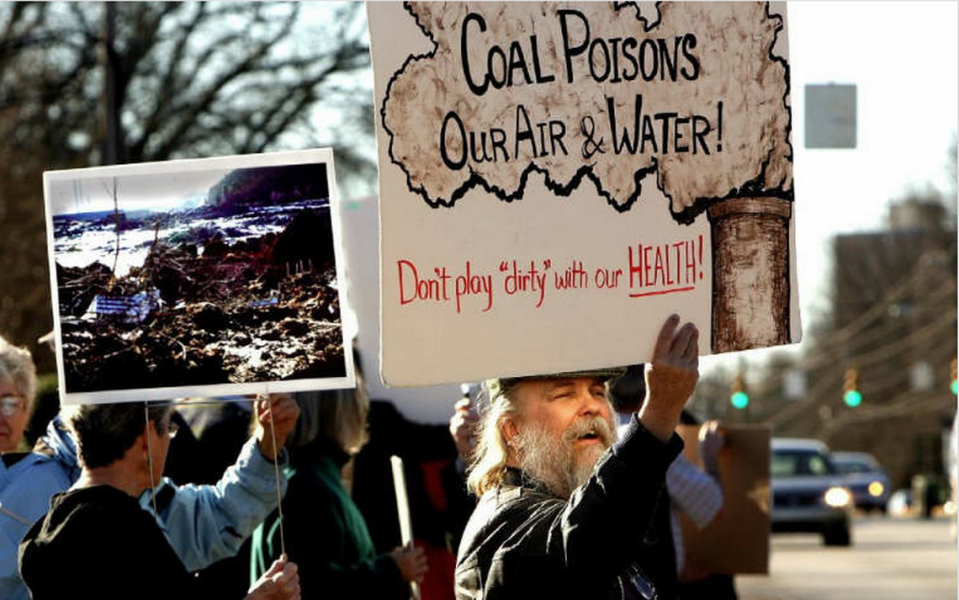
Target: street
x: 891, y: 559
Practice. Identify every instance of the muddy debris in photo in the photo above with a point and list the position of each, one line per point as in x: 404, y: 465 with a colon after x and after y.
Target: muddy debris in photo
x: 202, y: 310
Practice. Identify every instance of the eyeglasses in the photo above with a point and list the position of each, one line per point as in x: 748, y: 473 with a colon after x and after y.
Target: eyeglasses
x: 10, y: 405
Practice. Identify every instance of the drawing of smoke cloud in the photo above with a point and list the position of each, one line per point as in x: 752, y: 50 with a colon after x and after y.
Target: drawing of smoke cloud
x: 693, y: 96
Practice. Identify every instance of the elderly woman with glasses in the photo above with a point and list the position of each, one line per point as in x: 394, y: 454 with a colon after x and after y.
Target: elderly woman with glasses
x: 97, y: 538
x: 24, y: 476
x: 18, y: 384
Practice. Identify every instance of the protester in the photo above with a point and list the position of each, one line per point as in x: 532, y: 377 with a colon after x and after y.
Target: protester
x: 463, y: 424
x: 691, y: 491
x: 436, y: 492
x: 564, y: 508
x: 325, y: 533
x: 203, y: 524
x: 27, y: 480
x: 96, y: 541
x: 18, y: 384
x: 215, y: 434
x: 697, y: 493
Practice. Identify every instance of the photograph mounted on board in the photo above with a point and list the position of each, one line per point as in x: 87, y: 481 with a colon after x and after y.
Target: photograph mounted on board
x: 557, y: 178
x: 201, y: 277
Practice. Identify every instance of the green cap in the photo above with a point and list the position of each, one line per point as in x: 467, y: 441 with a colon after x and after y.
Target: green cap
x: 501, y: 385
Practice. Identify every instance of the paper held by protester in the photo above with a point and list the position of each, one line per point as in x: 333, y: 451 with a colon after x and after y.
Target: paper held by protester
x: 737, y: 541
x: 204, y: 277
x: 557, y: 178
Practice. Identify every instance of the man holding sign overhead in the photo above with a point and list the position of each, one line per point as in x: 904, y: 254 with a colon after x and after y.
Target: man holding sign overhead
x: 564, y: 508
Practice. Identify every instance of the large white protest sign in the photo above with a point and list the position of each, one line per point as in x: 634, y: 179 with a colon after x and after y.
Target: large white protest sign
x: 556, y: 179
x: 206, y: 277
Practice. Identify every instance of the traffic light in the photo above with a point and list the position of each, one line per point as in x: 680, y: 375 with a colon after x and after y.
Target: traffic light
x: 850, y: 388
x: 739, y: 398
x: 953, y: 383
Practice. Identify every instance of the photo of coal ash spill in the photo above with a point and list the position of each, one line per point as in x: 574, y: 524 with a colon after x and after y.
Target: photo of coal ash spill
x: 195, y: 278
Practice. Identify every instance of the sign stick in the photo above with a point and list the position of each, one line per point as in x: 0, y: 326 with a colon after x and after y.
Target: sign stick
x: 403, y: 509
x: 276, y: 471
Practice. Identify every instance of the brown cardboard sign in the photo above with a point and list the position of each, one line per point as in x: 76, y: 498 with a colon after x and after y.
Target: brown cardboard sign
x: 737, y: 541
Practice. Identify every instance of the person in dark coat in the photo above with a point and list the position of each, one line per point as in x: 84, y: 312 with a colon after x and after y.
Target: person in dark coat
x: 96, y: 538
x: 564, y: 508
x: 322, y: 529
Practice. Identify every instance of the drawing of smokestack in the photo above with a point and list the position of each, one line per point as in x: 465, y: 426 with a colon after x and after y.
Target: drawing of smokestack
x: 751, y: 284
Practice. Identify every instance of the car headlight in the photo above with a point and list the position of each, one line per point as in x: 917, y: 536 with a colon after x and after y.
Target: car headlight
x: 876, y: 489
x: 837, y: 497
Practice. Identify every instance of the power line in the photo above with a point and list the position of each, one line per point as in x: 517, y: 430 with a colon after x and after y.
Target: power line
x: 838, y: 340
x: 832, y: 359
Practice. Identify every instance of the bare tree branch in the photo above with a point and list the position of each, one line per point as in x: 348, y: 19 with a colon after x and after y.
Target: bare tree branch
x: 194, y: 78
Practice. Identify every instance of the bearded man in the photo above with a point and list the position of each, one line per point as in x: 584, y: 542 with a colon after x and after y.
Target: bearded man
x: 564, y: 508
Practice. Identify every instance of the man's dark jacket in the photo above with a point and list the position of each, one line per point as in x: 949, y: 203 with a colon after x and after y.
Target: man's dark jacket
x: 524, y: 542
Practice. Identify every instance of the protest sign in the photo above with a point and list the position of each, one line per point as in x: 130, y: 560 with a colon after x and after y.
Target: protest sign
x: 737, y: 541
x: 425, y: 404
x: 556, y: 179
x: 207, y: 277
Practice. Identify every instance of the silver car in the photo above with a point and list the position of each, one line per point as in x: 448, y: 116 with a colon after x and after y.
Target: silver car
x: 808, y: 493
x: 865, y: 478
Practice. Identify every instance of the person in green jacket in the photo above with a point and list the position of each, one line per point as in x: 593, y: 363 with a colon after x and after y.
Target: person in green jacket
x: 324, y: 532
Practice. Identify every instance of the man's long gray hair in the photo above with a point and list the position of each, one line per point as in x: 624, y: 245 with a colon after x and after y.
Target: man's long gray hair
x: 489, y: 457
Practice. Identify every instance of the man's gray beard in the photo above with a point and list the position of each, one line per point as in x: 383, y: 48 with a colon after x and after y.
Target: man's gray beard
x: 553, y: 461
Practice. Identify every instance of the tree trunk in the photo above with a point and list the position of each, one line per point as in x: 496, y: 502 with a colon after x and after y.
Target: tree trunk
x: 113, y: 145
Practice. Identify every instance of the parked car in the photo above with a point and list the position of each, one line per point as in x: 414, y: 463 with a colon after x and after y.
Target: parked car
x: 865, y: 478
x: 808, y: 493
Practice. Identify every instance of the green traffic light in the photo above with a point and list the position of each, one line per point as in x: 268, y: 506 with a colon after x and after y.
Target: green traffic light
x: 852, y: 398
x: 740, y: 400
x: 955, y: 387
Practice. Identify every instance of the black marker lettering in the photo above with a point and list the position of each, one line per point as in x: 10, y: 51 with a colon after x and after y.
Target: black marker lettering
x: 456, y: 166
x: 479, y: 90
x: 570, y: 51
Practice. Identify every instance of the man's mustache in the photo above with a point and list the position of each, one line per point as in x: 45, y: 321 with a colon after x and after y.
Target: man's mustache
x: 589, y: 425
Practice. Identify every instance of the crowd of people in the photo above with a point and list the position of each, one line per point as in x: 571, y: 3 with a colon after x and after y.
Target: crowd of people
x: 561, y: 485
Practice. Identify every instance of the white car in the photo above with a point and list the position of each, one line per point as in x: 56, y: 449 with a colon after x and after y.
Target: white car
x: 808, y: 493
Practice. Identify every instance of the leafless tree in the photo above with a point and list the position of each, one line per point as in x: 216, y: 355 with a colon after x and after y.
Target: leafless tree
x: 188, y: 79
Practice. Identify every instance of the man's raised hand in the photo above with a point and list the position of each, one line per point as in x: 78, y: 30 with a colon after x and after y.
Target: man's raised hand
x: 670, y: 377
